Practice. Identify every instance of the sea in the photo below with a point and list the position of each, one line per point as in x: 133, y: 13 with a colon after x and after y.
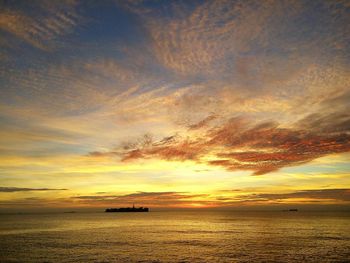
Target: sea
x: 176, y: 236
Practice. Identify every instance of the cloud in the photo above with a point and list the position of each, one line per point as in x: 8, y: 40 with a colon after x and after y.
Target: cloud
x: 187, y: 199
x: 145, y: 198
x: 250, y: 57
x: 51, y: 20
x: 332, y: 116
x: 237, y: 85
x: 207, y: 38
x: 19, y: 189
x: 241, y: 145
x: 253, y: 45
x: 179, y: 149
x: 333, y: 194
x: 102, y: 154
x: 277, y: 147
x: 202, y: 123
x: 133, y: 196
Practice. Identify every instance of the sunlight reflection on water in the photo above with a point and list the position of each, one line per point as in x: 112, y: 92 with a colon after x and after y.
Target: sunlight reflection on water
x: 186, y: 236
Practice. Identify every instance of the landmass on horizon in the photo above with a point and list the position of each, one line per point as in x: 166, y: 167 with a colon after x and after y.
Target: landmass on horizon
x: 128, y: 209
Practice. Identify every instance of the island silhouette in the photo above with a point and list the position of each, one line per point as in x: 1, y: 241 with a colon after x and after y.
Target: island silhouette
x: 128, y: 209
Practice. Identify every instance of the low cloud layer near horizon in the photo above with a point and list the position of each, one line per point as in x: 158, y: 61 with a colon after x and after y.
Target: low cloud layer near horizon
x: 19, y: 189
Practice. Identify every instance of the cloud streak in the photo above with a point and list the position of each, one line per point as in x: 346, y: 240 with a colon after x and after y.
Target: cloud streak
x: 158, y: 199
x: 317, y: 194
x: 21, y: 189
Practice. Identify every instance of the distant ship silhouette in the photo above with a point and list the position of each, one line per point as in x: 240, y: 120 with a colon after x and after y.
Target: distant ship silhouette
x: 128, y: 209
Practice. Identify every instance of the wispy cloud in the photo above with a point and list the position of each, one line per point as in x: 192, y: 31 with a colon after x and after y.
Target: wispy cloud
x: 317, y: 194
x: 202, y: 123
x: 54, y: 20
x: 21, y: 189
x: 201, y: 40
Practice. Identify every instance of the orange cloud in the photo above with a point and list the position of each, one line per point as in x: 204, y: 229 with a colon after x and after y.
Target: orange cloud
x: 202, y: 123
x: 239, y: 145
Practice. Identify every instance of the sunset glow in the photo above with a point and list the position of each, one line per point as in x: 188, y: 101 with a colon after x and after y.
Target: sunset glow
x: 186, y: 104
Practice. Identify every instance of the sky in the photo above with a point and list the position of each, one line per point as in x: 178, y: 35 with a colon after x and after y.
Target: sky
x: 186, y: 104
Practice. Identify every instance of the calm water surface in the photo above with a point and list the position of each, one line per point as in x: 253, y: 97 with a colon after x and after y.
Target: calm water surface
x: 195, y: 236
